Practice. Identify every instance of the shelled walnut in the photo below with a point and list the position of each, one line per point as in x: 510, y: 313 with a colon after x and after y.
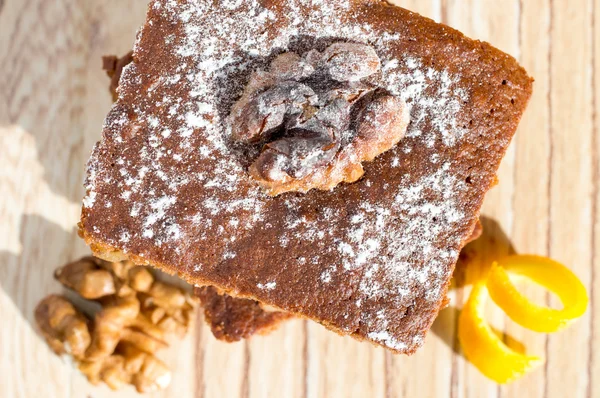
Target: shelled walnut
x: 139, y: 316
x: 64, y: 328
x: 317, y: 118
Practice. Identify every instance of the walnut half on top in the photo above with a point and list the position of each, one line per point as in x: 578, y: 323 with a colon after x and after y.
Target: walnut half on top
x: 318, y: 118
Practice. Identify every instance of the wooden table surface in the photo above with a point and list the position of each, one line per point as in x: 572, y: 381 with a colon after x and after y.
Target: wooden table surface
x: 53, y: 99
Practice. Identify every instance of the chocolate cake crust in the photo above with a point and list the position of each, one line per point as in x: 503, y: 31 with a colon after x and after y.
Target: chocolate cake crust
x: 371, y: 259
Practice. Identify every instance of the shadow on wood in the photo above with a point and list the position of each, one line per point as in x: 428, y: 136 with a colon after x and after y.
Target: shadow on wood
x: 445, y: 327
x: 28, y: 277
x: 473, y: 263
x: 53, y: 85
x: 477, y: 257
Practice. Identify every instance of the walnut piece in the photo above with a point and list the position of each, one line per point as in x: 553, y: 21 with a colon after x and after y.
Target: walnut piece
x: 64, y: 328
x: 128, y: 365
x: 351, y: 62
x: 139, y: 317
x: 93, y: 278
x: 317, y: 117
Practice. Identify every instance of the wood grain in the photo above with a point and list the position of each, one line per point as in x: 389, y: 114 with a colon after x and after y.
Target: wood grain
x: 593, y: 371
x: 53, y: 99
x: 570, y: 204
x: 532, y: 153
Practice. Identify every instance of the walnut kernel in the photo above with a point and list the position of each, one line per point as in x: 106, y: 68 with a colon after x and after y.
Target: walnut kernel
x: 317, y: 117
x: 139, y: 316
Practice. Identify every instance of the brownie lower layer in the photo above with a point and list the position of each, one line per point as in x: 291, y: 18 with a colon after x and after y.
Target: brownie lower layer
x: 232, y: 319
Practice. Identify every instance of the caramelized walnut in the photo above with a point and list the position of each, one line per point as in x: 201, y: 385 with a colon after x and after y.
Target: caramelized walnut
x: 317, y: 118
x: 64, y: 328
x: 382, y: 124
x: 351, y: 62
x: 94, y: 278
x: 138, y: 317
x: 267, y: 111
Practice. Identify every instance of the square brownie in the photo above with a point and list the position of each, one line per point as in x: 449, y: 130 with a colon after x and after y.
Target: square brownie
x: 166, y: 185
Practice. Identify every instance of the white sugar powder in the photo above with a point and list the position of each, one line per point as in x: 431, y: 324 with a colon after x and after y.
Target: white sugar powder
x: 267, y: 286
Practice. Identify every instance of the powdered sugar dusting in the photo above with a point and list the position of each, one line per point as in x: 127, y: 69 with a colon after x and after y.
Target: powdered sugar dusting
x: 193, y: 126
x: 267, y: 286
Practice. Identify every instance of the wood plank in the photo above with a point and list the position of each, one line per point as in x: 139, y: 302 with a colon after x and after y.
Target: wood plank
x: 21, y: 289
x: 342, y: 367
x: 225, y: 368
x: 570, y: 182
x: 594, y: 359
x: 278, y: 361
x: 530, y: 200
x: 34, y: 244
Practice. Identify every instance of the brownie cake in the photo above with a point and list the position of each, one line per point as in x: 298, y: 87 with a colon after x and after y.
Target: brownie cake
x: 370, y: 255
x: 230, y: 318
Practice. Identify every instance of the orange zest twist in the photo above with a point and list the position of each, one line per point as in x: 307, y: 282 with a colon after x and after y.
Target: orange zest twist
x: 483, y: 347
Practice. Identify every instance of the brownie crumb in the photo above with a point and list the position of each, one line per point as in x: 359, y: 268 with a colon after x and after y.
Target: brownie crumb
x: 232, y: 319
x: 113, y: 66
